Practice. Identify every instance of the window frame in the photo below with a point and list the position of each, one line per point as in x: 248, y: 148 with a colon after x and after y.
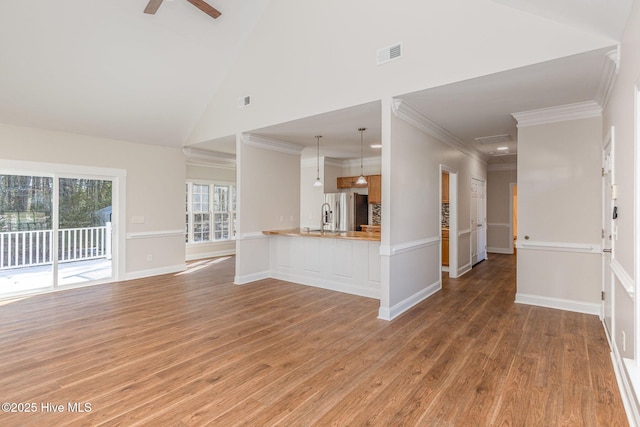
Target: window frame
x: 189, y: 214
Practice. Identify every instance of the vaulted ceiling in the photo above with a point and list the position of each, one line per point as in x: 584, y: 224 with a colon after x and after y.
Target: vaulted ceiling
x: 107, y: 69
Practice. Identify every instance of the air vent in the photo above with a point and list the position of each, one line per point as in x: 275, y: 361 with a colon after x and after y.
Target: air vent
x: 389, y: 53
x: 243, y: 101
x: 495, y: 139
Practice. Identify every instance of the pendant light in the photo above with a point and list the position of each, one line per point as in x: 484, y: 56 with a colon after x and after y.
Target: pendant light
x: 361, y: 179
x: 317, y: 182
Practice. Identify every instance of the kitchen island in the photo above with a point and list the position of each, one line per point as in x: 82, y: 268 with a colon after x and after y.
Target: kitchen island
x: 340, y: 261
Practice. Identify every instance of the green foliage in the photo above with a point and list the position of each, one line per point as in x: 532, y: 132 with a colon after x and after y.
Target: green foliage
x: 26, y: 202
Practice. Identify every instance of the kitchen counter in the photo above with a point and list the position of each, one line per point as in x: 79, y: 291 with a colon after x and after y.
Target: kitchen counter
x: 350, y: 235
x: 345, y: 262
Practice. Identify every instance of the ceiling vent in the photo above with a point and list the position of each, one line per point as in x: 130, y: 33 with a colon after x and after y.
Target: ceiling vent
x: 389, y: 53
x: 243, y: 101
x: 495, y: 139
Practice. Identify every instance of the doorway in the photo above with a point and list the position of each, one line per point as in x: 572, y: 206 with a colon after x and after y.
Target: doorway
x: 55, y: 231
x: 478, y: 210
x: 449, y: 221
x: 607, y: 231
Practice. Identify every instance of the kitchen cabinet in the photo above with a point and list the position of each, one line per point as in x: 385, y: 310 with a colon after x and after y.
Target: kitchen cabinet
x: 445, y: 188
x: 445, y: 247
x: 375, y: 189
x: 374, y: 184
x: 349, y: 182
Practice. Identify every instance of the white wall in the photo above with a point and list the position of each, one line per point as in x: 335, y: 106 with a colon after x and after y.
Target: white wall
x: 411, y: 213
x: 210, y: 172
x: 155, y: 178
x: 268, y: 199
x: 330, y: 58
x: 559, y: 208
x: 621, y: 113
x: 499, y: 207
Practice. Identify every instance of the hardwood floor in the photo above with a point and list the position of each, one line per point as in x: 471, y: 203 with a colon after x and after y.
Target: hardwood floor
x: 193, y: 349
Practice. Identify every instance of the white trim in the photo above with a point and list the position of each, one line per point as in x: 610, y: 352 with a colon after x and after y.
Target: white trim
x: 608, y: 78
x: 332, y: 285
x: 252, y: 235
x: 153, y: 234
x: 592, y: 248
x: 502, y: 167
x: 390, y: 313
x: 506, y: 251
x: 412, y: 116
x: 271, y: 144
x: 559, y: 303
x: 463, y: 232
x: 213, y: 254
x: 155, y: 271
x: 209, y: 158
x: 632, y: 376
x: 408, y: 246
x: 625, y: 278
x: 579, y: 110
x: 464, y: 269
x: 248, y: 278
x: 498, y: 225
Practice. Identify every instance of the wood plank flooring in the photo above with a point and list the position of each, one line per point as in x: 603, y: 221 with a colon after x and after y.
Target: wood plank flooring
x: 194, y: 349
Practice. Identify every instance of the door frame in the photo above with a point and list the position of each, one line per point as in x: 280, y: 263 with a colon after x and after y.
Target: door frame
x: 608, y: 288
x: 453, y: 220
x: 118, y: 197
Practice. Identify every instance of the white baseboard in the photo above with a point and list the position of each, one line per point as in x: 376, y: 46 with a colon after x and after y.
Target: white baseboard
x: 248, y: 278
x: 155, y: 272
x: 559, y: 303
x: 505, y: 251
x: 347, y: 288
x: 464, y: 269
x: 212, y: 254
x: 625, y: 371
x: 390, y: 313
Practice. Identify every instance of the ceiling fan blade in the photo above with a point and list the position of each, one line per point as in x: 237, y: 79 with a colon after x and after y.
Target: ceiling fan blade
x: 206, y: 8
x: 152, y: 6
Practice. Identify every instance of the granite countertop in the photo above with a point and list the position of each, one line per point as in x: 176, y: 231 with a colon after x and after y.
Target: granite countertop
x: 353, y: 235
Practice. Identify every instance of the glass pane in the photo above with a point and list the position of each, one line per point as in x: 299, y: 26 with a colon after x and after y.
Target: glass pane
x: 84, y: 235
x: 25, y: 233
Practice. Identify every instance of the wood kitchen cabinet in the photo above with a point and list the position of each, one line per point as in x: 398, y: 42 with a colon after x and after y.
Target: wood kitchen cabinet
x: 445, y: 188
x: 445, y: 247
x: 349, y: 182
x: 375, y: 189
x: 374, y: 184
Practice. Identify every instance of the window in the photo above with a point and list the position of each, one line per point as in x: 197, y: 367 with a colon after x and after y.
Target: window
x: 210, y: 212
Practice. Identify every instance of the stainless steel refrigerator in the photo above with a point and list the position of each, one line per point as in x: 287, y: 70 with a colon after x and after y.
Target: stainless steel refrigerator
x: 347, y: 211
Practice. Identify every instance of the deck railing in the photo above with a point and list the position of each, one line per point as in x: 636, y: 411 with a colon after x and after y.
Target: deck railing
x: 31, y: 248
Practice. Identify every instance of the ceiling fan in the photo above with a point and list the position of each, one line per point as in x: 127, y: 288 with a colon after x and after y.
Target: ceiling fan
x: 153, y: 5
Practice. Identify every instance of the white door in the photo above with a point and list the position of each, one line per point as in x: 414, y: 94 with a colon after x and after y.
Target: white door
x: 478, y: 222
x: 607, y: 227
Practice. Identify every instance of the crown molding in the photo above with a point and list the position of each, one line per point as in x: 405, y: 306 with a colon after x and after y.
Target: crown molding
x: 609, y: 73
x: 271, y: 144
x: 502, y: 167
x: 201, y: 157
x: 562, y: 113
x: 412, y: 116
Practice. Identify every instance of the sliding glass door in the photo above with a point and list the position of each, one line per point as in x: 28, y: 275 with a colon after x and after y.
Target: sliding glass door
x: 26, y: 233
x: 54, y: 232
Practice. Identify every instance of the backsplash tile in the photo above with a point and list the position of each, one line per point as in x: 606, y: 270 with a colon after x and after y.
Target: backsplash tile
x: 445, y: 215
x: 375, y: 213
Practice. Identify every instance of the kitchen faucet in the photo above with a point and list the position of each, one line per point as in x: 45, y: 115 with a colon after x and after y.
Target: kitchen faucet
x: 325, y: 216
